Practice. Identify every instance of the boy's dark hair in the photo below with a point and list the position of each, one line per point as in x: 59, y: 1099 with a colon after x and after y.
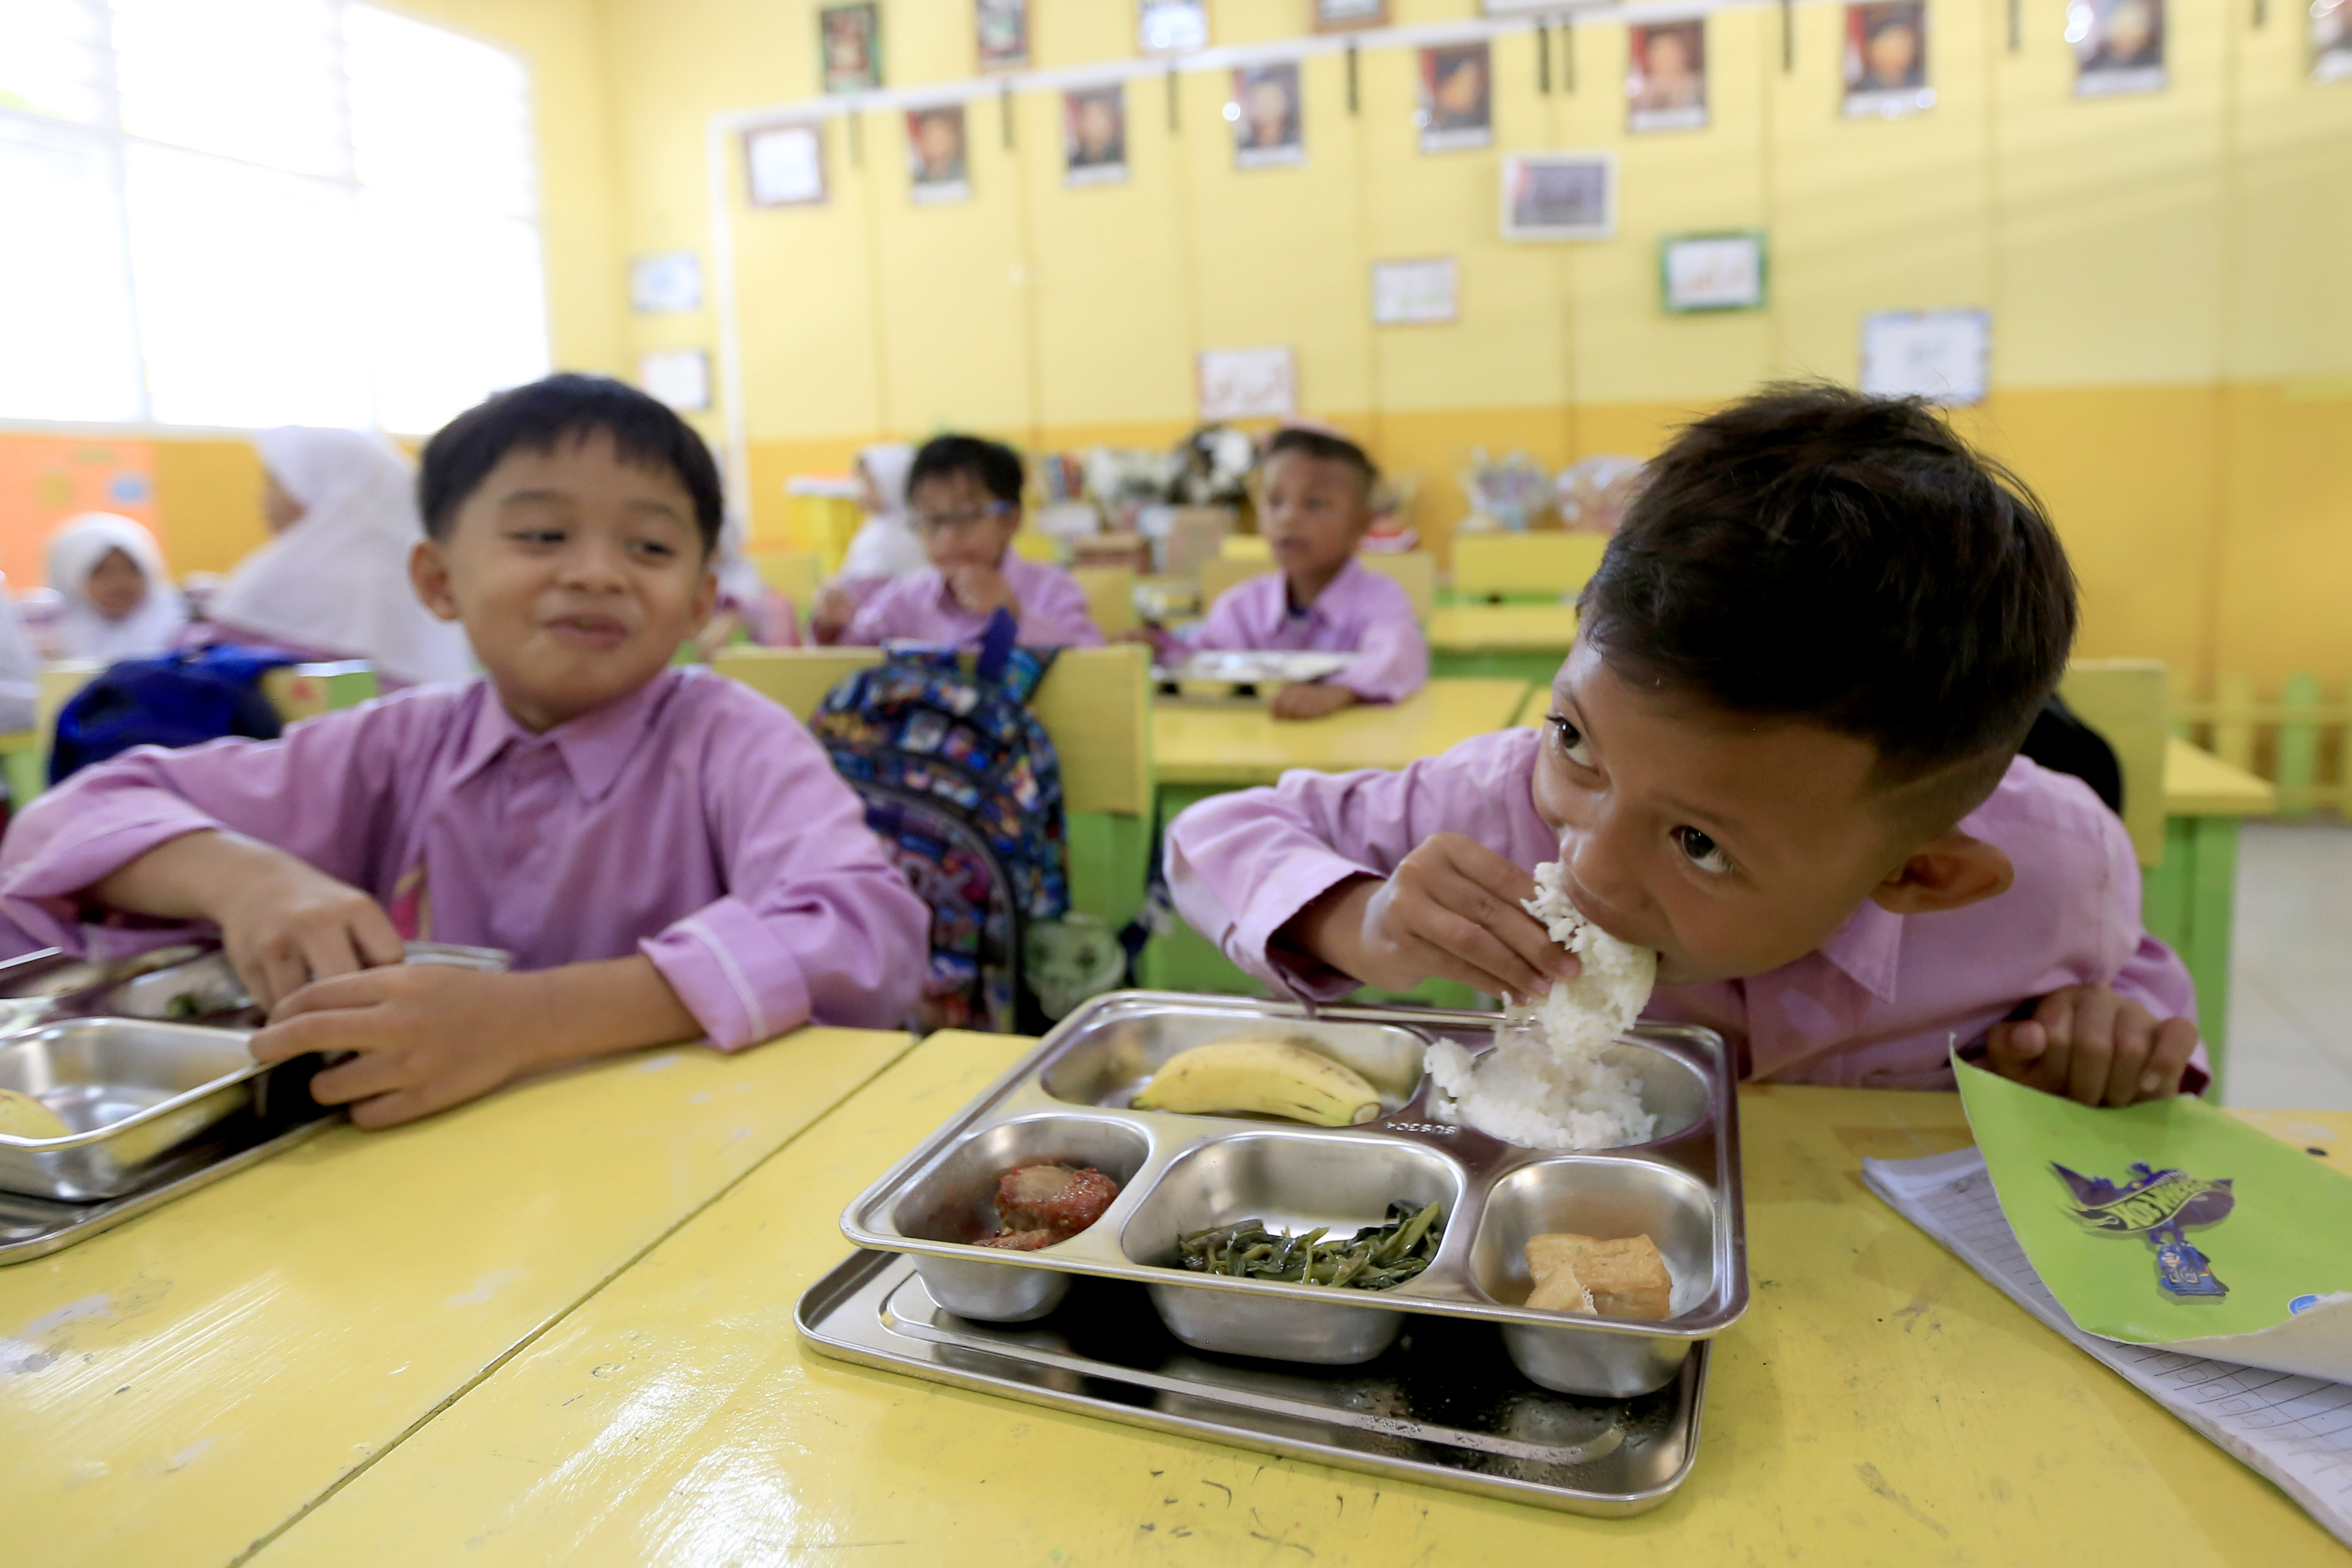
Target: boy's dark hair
x: 1329, y: 447
x: 995, y: 465
x: 548, y: 412
x: 1812, y: 554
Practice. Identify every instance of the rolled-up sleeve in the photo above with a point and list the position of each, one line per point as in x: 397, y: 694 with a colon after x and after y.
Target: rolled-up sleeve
x: 817, y: 925
x: 1392, y: 659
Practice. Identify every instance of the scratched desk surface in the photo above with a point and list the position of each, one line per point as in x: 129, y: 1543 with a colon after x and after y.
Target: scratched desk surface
x: 1879, y: 1404
x: 176, y: 1390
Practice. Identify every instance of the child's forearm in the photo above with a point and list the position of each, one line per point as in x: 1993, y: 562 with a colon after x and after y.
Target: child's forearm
x: 597, y: 1008
x: 181, y: 879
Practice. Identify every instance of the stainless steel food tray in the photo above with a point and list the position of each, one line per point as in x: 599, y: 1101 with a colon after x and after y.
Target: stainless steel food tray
x: 1068, y: 1102
x: 1442, y: 1406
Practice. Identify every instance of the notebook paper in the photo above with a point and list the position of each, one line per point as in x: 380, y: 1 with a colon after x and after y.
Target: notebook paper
x: 2295, y: 1431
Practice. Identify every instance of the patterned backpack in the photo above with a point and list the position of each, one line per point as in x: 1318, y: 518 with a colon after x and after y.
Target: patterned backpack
x: 962, y: 786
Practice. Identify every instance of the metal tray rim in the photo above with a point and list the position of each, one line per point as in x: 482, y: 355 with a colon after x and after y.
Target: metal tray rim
x: 180, y: 1102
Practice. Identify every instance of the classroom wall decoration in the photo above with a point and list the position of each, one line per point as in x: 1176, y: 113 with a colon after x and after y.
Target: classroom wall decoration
x: 1425, y: 291
x: 1248, y: 384
x: 849, y: 46
x: 784, y: 164
x: 1171, y: 26
x: 679, y: 377
x: 1711, y: 272
x: 1094, y: 136
x: 1347, y: 16
x: 2331, y: 40
x: 1944, y: 356
x: 1560, y: 195
x: 1001, y: 30
x: 45, y: 479
x: 666, y: 284
x: 1665, y: 76
x: 1886, y: 59
x: 935, y: 153
x: 2118, y: 45
x: 1268, y: 132
x: 1457, y: 97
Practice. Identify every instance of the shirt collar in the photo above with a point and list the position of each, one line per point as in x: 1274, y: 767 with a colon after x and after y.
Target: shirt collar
x: 594, y: 747
x: 1867, y: 948
x: 1334, y: 592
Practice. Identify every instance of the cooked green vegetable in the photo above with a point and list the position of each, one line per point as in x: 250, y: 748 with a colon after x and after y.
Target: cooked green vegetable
x: 187, y: 1005
x: 1378, y: 1257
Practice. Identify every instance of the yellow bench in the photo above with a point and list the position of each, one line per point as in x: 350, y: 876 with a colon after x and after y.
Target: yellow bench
x: 1548, y: 565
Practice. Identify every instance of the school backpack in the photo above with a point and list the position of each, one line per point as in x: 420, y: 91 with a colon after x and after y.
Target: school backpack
x: 180, y: 699
x: 962, y: 786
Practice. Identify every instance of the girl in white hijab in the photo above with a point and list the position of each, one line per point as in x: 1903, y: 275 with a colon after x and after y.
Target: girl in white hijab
x: 885, y: 545
x: 335, y: 583
x: 118, y: 599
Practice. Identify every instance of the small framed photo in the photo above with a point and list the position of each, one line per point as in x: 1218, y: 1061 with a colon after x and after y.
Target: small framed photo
x: 1560, y: 195
x: 1094, y: 135
x: 849, y: 46
x: 935, y: 155
x: 1456, y: 98
x: 784, y: 164
x: 1349, y: 15
x: 666, y: 284
x: 1426, y: 291
x: 679, y: 377
x: 1944, y: 356
x: 1700, y: 272
x: 2331, y: 40
x: 1665, y: 76
x: 2118, y: 45
x: 1886, y: 59
x: 1001, y: 30
x: 1171, y: 26
x: 1269, y: 129
x: 1248, y: 384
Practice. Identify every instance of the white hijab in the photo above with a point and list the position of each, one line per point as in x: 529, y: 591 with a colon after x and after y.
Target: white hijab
x: 885, y: 544
x: 83, y: 630
x: 337, y: 581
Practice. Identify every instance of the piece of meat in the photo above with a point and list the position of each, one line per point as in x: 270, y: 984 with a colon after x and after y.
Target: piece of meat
x: 1055, y: 1198
x: 1021, y: 1241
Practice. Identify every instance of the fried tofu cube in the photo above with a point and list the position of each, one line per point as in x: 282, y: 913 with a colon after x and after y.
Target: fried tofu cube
x: 1622, y: 1278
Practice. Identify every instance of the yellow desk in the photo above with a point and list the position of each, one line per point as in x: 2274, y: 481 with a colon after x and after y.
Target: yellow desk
x: 1880, y: 1405
x: 1235, y: 744
x: 1524, y: 640
x: 2198, y: 784
x: 176, y: 1390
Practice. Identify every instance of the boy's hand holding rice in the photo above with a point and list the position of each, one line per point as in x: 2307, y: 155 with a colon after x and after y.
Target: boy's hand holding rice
x: 1453, y: 910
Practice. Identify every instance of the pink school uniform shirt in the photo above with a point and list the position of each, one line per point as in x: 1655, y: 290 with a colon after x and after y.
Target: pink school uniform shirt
x: 1358, y: 612
x: 1877, y: 1004
x: 919, y: 609
x: 692, y: 821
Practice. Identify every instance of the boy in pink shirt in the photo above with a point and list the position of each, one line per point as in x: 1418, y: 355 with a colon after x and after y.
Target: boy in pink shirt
x: 1316, y: 503
x: 665, y: 854
x: 964, y: 495
x: 1783, y: 753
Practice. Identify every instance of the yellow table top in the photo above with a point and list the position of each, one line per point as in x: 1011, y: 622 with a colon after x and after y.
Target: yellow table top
x: 1238, y: 744
x: 2198, y: 784
x: 1879, y: 1404
x: 1502, y: 628
x: 174, y: 1390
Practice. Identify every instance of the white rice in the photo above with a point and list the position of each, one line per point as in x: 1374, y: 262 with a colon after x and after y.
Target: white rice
x: 1545, y: 1084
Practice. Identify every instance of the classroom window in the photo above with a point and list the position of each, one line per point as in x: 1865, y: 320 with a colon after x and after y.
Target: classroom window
x: 247, y: 212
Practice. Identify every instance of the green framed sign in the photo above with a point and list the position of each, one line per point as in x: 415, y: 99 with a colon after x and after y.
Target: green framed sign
x: 1699, y: 273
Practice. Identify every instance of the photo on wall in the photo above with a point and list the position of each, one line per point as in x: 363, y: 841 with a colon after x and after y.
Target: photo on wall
x: 1348, y: 16
x: 1094, y: 136
x: 2331, y: 40
x: 1560, y: 195
x: 1001, y: 30
x: 2118, y: 45
x: 1886, y: 59
x: 784, y: 164
x: 1171, y: 26
x: 1269, y: 129
x: 849, y: 46
x: 1665, y: 76
x: 1457, y: 97
x: 935, y: 155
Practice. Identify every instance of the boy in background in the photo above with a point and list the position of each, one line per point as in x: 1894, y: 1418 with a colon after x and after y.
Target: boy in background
x: 1315, y: 506
x: 1783, y: 753
x: 963, y: 496
x: 663, y: 853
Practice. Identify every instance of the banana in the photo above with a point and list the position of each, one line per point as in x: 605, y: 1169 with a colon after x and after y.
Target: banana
x: 22, y: 1116
x: 1272, y: 1077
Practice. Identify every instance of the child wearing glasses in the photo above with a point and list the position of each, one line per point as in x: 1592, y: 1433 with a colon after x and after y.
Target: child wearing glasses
x: 963, y: 496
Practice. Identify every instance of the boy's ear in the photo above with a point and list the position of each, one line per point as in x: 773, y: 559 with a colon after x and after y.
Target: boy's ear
x: 1950, y: 871
x: 428, y: 573
x: 705, y: 593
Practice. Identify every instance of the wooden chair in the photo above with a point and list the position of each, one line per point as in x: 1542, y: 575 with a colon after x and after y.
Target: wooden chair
x: 1414, y: 570
x: 1111, y: 597
x: 1250, y: 547
x: 2124, y: 700
x: 1095, y: 705
x: 1548, y: 565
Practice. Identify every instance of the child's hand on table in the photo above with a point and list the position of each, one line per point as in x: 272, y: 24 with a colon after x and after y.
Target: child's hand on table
x: 1450, y: 911
x: 1313, y: 700
x: 286, y: 923
x: 423, y: 1038
x: 2088, y: 1044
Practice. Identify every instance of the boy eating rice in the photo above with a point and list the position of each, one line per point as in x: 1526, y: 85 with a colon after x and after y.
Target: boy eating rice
x: 1782, y: 755
x: 665, y: 854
